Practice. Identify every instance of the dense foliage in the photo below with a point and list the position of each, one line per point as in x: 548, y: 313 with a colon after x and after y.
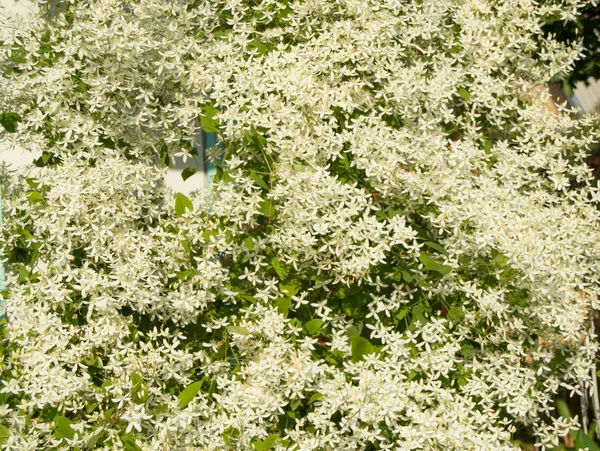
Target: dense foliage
x: 400, y: 250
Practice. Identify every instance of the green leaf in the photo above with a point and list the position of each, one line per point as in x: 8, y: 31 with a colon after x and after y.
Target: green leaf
x: 164, y: 156
x: 360, y: 347
x: 407, y: 277
x: 400, y: 314
x: 32, y: 182
x: 563, y: 408
x: 498, y: 258
x: 464, y: 94
x: 313, y: 326
x: 238, y: 330
x: 486, y: 145
x: 186, y: 246
x: 355, y: 330
x: 259, y: 180
x: 129, y: 443
x: 208, y: 125
x: 249, y: 243
x: 207, y: 233
x: 261, y: 47
x: 467, y: 350
x: 231, y: 434
x: 567, y: 88
x: 582, y: 441
x: 9, y: 121
x: 62, y: 427
x: 209, y: 111
x: 266, y: 208
x: 517, y: 297
x: 315, y: 397
x: 436, y: 247
x: 295, y: 404
x: 352, y: 305
x: 455, y: 314
x: 3, y: 434
x: 186, y: 274
x: 256, y: 138
x: 266, y: 444
x: 283, y: 305
x: 418, y: 313
x: 91, y: 443
x: 182, y: 203
x: 280, y: 268
x: 290, y: 289
x: 189, y: 393
x: 136, y: 383
x: 188, y: 172
x: 35, y: 196
x: 139, y: 389
x: 432, y: 265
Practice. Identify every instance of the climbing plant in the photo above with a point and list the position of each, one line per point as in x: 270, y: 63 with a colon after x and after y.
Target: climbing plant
x: 399, y: 251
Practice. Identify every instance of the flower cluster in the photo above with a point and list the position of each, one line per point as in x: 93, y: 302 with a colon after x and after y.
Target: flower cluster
x: 399, y: 252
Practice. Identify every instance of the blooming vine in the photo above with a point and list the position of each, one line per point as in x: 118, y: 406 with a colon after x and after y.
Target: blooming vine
x: 400, y: 250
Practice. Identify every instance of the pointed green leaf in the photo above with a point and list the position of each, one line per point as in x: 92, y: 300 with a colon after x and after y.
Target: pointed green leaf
x: 290, y: 289
x: 129, y: 444
x: 563, y: 408
x: 164, y: 156
x: 283, y: 305
x: 266, y: 444
x: 9, y: 121
x: 35, y: 196
x: 464, y: 94
x: 188, y: 172
x: 91, y: 443
x: 208, y: 125
x: 208, y: 233
x: 62, y: 427
x: 32, y: 182
x: 238, y: 330
x: 431, y: 265
x: 315, y: 397
x: 407, y: 276
x: 209, y: 111
x: 249, y: 243
x: 582, y: 441
x: 3, y: 434
x: 136, y: 383
x: 259, y: 180
x: 455, y: 314
x: 182, y: 203
x: 400, y: 314
x: 418, y: 313
x: 189, y: 393
x: 186, y: 246
x: 266, y: 208
x: 313, y: 326
x: 486, y: 145
x: 355, y: 330
x: 436, y: 247
x: 280, y: 268
x: 360, y: 347
x: 467, y: 350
